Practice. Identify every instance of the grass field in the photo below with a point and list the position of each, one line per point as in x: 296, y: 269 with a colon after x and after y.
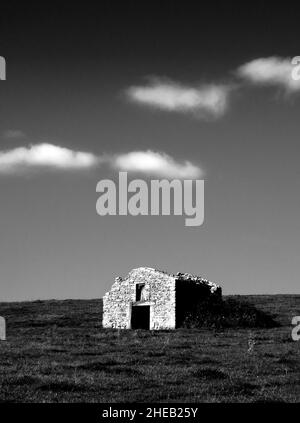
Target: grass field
x: 56, y: 351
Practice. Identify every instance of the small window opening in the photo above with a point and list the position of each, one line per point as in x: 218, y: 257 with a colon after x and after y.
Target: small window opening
x: 139, y: 291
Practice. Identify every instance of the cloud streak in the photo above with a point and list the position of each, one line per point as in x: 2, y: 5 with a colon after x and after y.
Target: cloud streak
x: 156, y: 164
x: 205, y: 101
x: 270, y: 71
x: 48, y: 157
x: 45, y: 156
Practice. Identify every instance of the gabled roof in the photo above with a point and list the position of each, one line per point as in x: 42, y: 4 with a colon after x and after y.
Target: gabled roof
x: 179, y: 277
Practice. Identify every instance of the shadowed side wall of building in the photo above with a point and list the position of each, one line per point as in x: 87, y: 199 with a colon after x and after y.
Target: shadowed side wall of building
x: 189, y: 293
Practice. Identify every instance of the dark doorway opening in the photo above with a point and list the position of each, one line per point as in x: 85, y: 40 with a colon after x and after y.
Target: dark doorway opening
x: 140, y: 317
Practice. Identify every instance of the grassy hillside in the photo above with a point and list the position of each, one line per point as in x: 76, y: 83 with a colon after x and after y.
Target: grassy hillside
x: 57, y: 352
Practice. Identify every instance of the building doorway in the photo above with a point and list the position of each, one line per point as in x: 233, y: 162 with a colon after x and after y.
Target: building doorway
x: 140, y: 317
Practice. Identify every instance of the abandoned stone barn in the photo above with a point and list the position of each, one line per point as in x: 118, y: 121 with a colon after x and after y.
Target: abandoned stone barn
x: 151, y: 299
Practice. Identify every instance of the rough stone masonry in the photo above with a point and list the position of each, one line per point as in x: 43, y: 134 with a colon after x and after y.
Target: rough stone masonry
x: 152, y: 299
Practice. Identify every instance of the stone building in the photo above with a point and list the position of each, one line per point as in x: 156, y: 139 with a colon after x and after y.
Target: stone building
x: 151, y: 299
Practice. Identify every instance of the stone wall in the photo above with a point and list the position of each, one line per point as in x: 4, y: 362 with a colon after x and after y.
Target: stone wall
x: 168, y: 296
x: 159, y: 294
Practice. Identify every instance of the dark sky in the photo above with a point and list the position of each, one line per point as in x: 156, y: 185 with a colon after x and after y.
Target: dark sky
x: 67, y: 71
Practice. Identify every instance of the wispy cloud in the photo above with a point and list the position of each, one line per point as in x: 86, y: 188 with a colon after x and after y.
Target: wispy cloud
x: 208, y: 100
x: 48, y: 156
x: 272, y: 71
x: 155, y: 164
x: 45, y: 156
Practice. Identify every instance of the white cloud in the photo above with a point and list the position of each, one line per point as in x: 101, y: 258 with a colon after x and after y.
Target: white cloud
x: 276, y: 71
x: 156, y: 164
x: 49, y: 156
x: 208, y: 100
x: 44, y: 155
